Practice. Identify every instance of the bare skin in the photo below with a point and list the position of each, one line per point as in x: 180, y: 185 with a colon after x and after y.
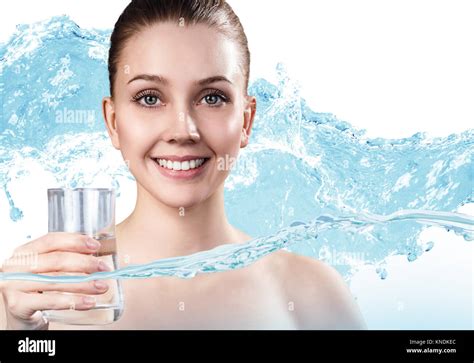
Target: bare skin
x: 148, y: 118
x: 280, y: 291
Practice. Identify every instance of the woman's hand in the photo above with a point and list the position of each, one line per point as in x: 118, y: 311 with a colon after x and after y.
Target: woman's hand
x: 50, y: 254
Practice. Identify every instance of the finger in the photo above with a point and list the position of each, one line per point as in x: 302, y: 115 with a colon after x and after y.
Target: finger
x: 59, y: 261
x: 60, y: 241
x: 24, y: 305
x: 90, y: 287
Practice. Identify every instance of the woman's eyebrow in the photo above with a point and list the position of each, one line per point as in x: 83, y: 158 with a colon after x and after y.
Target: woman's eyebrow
x: 213, y: 79
x: 159, y: 79
x: 149, y: 77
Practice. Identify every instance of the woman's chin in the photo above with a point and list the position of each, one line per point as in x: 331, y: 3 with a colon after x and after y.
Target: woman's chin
x: 182, y: 201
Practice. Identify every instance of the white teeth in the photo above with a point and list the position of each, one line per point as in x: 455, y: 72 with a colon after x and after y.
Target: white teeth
x: 184, y: 165
x: 176, y: 165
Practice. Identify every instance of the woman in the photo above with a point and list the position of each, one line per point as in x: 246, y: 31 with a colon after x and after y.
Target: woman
x: 179, y: 107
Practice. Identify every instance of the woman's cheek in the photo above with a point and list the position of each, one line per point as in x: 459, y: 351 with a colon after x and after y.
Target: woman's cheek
x: 225, y: 136
x: 133, y: 139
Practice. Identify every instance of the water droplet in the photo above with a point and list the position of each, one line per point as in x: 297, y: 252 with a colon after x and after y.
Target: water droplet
x: 429, y: 245
x: 382, y: 272
x: 296, y: 223
x: 15, y: 214
x: 412, y: 257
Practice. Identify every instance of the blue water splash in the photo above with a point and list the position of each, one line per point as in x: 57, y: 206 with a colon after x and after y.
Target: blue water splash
x: 233, y: 256
x: 299, y: 163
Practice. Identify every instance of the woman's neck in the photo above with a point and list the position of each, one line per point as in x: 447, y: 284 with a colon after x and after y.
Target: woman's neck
x: 161, y: 231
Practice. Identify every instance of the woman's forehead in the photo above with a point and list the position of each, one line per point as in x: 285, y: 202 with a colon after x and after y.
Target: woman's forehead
x: 181, y: 52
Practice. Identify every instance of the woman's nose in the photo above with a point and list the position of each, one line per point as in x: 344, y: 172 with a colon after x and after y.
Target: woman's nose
x: 182, y: 128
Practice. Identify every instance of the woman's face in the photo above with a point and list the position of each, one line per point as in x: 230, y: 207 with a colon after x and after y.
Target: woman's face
x: 179, y: 91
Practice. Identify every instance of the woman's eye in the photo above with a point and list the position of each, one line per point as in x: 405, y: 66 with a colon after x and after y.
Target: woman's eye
x: 147, y: 100
x: 150, y: 100
x: 214, y: 99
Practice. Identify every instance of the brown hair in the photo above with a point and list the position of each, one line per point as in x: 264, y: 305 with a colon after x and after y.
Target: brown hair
x: 141, y: 13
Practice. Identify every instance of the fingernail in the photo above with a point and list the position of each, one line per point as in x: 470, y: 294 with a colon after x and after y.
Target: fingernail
x: 100, y: 285
x: 92, y: 243
x: 88, y: 300
x: 103, y: 266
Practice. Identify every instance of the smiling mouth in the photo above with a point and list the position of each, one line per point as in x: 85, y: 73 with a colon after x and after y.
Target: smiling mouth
x: 181, y: 165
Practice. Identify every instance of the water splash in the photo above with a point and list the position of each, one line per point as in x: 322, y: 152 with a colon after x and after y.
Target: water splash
x: 299, y: 163
x: 233, y: 256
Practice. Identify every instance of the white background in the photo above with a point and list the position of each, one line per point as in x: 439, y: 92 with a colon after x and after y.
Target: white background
x: 391, y: 67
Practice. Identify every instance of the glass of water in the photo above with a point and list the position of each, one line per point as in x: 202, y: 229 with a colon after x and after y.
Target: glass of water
x: 89, y: 211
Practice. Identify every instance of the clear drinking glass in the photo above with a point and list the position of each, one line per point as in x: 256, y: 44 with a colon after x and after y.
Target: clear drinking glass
x: 89, y: 211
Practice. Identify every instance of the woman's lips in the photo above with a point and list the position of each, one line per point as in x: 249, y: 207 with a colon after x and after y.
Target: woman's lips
x: 181, y: 174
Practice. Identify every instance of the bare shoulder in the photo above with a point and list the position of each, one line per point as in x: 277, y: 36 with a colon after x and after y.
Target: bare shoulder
x: 319, y: 295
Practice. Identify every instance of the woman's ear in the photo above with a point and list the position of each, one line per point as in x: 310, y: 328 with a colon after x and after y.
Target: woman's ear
x: 108, y: 111
x: 249, y: 115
